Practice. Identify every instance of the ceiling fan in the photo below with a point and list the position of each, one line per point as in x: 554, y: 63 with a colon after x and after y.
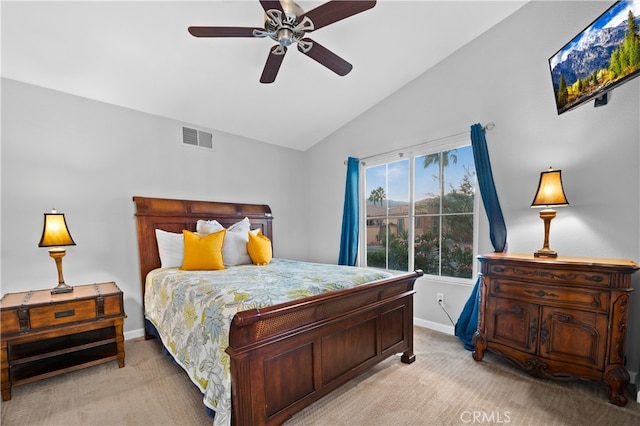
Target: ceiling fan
x: 286, y: 23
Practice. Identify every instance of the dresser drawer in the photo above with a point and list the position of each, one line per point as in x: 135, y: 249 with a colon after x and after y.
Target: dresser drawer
x: 552, y: 275
x: 581, y: 298
x: 62, y: 313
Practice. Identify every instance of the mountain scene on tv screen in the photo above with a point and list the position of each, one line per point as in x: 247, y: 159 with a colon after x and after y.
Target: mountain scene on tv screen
x: 601, y: 56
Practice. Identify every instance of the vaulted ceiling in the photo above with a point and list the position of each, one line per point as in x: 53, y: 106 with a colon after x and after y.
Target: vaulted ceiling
x: 139, y: 55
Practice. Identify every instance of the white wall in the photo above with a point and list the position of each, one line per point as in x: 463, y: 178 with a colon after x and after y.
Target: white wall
x: 87, y: 159
x: 503, y: 77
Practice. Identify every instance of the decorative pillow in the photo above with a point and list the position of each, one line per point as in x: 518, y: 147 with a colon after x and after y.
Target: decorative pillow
x: 259, y: 248
x: 203, y: 253
x: 206, y: 227
x: 234, y: 250
x: 170, y: 248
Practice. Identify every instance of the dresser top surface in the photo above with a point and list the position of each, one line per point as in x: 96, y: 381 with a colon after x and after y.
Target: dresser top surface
x: 562, y: 260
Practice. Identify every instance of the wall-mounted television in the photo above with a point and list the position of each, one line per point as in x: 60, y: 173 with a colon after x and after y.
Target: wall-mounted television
x: 604, y: 55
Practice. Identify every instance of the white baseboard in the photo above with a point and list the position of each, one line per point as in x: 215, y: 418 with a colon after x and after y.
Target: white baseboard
x: 447, y: 329
x: 133, y: 334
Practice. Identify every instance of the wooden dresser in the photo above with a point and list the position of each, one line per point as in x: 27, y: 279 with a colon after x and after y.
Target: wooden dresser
x: 562, y: 318
x: 46, y: 334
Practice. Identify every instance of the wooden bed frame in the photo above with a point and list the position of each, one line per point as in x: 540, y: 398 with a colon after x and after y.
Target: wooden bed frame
x: 287, y: 356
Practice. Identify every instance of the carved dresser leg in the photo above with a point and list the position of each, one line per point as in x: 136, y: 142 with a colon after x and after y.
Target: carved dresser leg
x: 480, y: 345
x: 617, y: 379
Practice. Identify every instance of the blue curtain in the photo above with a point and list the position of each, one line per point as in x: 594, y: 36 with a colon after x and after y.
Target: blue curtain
x: 349, y: 237
x: 468, y: 321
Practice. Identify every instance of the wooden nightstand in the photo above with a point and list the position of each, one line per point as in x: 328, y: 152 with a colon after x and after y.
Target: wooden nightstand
x: 46, y: 334
x: 563, y: 318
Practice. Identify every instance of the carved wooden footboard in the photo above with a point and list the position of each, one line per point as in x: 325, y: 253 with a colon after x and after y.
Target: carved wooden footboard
x: 287, y: 356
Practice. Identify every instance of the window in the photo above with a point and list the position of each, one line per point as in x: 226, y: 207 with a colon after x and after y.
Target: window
x: 428, y: 199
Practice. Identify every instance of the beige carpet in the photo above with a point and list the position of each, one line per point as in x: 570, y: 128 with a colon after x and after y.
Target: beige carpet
x: 443, y: 387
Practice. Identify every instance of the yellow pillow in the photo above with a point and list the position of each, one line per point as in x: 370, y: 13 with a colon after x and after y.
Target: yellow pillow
x: 259, y: 248
x: 203, y: 253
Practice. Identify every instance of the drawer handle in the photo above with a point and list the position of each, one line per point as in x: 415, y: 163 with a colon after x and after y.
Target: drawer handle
x: 541, y: 293
x: 62, y: 314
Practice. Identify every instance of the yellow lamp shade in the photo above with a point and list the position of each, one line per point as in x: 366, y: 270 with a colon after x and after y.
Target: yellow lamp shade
x: 550, y: 192
x: 55, y: 232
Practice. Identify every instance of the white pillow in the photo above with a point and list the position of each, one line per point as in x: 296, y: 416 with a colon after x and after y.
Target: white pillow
x: 206, y: 227
x: 234, y: 249
x: 170, y: 248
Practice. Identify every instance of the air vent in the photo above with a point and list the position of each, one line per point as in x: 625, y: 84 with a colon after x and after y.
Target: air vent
x: 197, y: 137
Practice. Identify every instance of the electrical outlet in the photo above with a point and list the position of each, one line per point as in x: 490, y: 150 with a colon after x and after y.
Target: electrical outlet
x: 440, y: 298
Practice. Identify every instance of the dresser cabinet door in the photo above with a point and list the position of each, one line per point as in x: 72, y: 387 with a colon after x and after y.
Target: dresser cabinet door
x: 513, y: 323
x: 573, y: 336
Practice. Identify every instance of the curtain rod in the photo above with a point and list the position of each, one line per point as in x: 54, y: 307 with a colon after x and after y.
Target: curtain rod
x: 489, y: 126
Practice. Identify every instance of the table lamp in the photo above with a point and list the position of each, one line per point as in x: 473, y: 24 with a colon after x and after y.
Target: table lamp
x: 549, y: 194
x: 55, y: 234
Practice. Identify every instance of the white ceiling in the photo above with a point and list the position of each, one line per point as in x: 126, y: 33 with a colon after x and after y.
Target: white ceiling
x: 139, y: 55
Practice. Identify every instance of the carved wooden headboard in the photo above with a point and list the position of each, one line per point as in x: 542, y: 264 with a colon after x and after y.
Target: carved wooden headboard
x: 175, y: 215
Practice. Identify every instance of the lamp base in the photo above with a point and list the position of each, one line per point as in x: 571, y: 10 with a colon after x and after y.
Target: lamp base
x: 545, y: 252
x: 61, y: 288
x: 57, y: 253
x: 546, y: 215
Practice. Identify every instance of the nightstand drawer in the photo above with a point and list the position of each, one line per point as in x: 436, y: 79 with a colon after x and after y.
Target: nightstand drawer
x: 62, y: 313
x: 567, y: 296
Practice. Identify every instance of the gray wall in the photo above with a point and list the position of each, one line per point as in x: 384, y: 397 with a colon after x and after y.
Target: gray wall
x: 87, y: 159
x: 503, y: 77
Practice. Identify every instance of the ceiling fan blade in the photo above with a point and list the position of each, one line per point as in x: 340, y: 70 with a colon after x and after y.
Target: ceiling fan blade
x: 272, y: 66
x: 324, y: 56
x: 223, y: 31
x: 334, y: 11
x: 274, y: 4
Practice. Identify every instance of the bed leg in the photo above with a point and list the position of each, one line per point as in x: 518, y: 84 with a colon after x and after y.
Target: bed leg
x: 150, y: 331
x: 408, y: 357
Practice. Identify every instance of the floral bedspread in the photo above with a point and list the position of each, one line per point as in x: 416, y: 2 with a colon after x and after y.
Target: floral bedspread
x: 192, y: 311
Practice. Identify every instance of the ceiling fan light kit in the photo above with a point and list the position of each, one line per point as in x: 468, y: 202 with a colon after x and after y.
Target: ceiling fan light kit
x: 286, y: 23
